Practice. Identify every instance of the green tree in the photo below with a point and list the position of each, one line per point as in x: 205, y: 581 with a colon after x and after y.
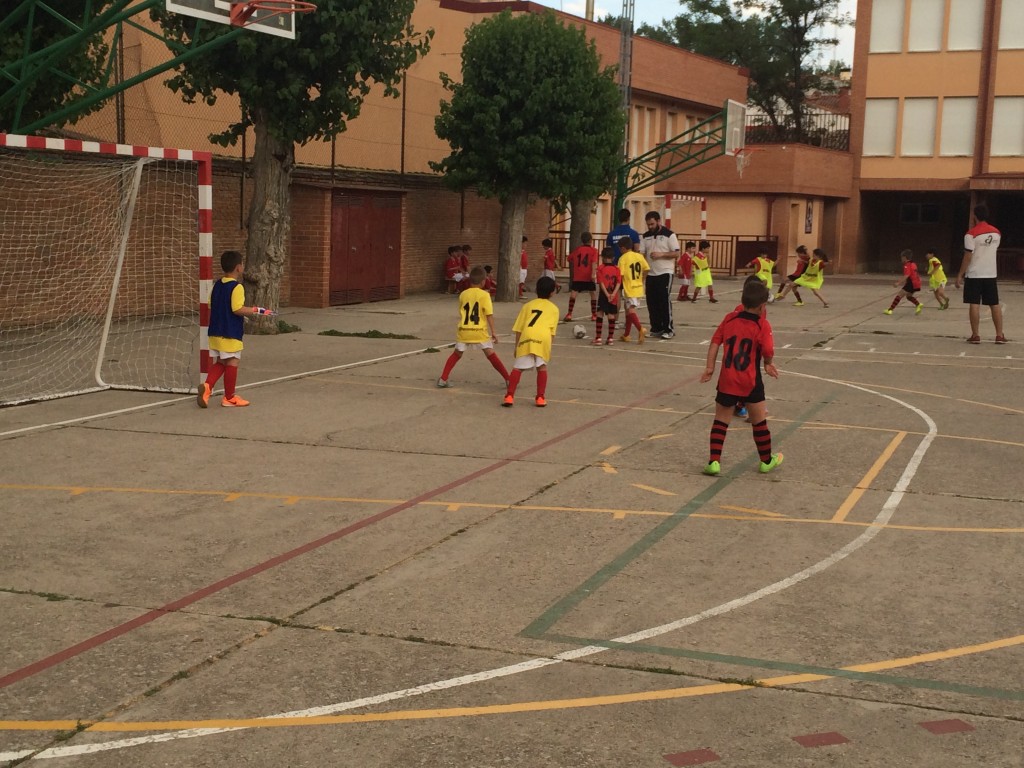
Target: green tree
x: 293, y: 92
x: 33, y: 26
x: 779, y: 41
x: 535, y: 114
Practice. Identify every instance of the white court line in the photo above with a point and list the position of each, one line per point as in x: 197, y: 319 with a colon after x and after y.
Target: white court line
x: 876, y: 527
x: 173, y: 400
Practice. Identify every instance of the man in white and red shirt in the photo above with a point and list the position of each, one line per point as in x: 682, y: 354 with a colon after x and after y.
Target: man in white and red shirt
x: 978, y: 274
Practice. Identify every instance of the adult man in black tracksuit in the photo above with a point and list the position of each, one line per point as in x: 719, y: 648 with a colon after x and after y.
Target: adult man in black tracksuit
x: 660, y: 247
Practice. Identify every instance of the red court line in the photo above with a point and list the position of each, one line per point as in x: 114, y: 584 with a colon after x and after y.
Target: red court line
x: 183, y: 602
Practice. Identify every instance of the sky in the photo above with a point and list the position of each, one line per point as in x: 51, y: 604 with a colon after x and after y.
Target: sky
x: 653, y: 11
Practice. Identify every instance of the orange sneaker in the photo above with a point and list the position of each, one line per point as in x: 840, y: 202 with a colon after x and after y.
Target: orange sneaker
x: 508, y: 402
x: 234, y: 402
x: 642, y: 335
x: 203, y: 398
x: 539, y: 401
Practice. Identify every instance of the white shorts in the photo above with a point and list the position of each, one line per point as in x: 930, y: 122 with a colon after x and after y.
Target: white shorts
x: 522, y: 275
x: 462, y: 346
x: 684, y: 281
x: 457, y: 277
x: 631, y: 302
x: 216, y: 355
x: 549, y: 273
x: 526, y: 362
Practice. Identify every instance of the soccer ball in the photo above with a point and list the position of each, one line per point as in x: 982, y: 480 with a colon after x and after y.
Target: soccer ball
x: 579, y: 331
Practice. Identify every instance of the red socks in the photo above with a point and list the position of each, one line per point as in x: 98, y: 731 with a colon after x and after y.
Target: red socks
x: 513, y: 381
x: 718, y: 430
x: 230, y: 378
x: 542, y: 381
x: 763, y: 441
x: 497, y: 365
x: 453, y: 358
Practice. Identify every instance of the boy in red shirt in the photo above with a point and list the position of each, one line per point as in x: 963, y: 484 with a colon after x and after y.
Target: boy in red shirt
x: 490, y: 284
x: 524, y: 262
x: 684, y: 270
x: 911, y: 283
x: 747, y: 338
x: 549, y: 262
x: 453, y: 268
x: 583, y: 263
x: 609, y: 282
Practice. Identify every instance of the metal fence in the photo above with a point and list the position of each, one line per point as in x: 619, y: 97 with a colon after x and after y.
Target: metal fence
x: 826, y: 130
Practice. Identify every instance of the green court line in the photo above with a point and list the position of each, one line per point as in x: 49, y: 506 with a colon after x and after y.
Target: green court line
x: 786, y: 666
x: 541, y: 625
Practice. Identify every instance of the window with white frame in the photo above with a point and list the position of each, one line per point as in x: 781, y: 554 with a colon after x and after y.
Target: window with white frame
x: 1008, y: 126
x: 966, y: 22
x: 1011, y: 25
x: 671, y: 123
x: 880, y: 127
x: 959, y: 116
x: 927, y: 19
x: 917, y: 139
x: 887, y: 26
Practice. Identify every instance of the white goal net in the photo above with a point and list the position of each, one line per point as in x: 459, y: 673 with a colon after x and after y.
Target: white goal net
x: 99, y: 272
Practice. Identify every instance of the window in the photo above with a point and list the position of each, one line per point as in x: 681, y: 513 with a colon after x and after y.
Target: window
x: 958, y: 120
x: 966, y: 19
x: 880, y: 127
x: 1011, y: 25
x: 920, y: 213
x: 918, y: 135
x: 887, y: 26
x: 927, y: 18
x: 1008, y: 127
x: 670, y: 126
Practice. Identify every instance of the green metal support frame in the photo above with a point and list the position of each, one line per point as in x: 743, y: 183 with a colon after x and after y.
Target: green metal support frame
x: 704, y: 142
x: 19, y: 76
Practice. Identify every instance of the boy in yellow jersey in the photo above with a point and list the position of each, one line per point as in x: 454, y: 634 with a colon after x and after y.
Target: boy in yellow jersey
x: 634, y: 269
x: 535, y: 328
x: 937, y: 279
x: 476, y: 327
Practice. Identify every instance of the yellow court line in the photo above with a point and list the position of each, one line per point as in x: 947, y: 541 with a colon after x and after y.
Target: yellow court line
x: 652, y: 489
x: 610, y: 450
x: 750, y: 511
x: 865, y: 482
x: 502, y: 709
x: 659, y: 437
x: 608, y: 468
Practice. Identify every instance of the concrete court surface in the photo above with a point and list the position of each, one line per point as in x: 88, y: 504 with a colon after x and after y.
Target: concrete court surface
x: 361, y: 569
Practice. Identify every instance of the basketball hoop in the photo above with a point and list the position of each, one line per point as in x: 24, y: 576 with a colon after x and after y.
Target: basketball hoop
x: 743, y: 157
x: 243, y: 14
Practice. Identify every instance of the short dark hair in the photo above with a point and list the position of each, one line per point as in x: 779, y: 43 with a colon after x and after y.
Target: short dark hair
x: 624, y: 242
x: 545, y: 287
x: 704, y: 244
x: 624, y: 215
x: 608, y: 253
x: 586, y: 237
x: 525, y: 238
x: 981, y: 212
x: 467, y: 248
x: 653, y: 215
x: 452, y: 249
x: 690, y: 244
x: 546, y: 242
x: 801, y: 249
x: 821, y: 254
x: 229, y: 260
x: 907, y: 254
x: 755, y: 293
x: 753, y: 279
x: 488, y: 268
x: 476, y: 275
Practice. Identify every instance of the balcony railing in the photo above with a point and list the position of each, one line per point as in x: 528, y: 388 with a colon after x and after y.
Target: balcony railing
x: 826, y: 130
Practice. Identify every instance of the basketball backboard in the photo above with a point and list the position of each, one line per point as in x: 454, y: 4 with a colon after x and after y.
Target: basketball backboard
x: 280, y: 24
x: 735, y: 127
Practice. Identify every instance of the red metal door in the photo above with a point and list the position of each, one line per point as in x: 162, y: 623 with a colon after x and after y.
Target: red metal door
x: 366, y: 252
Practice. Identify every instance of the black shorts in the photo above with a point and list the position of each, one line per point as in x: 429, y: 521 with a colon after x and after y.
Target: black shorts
x: 792, y: 278
x: 730, y: 401
x: 981, y: 290
x: 909, y: 288
x: 581, y: 286
x: 603, y: 305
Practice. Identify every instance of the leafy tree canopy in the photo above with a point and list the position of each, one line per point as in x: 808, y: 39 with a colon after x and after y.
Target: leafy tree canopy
x: 779, y: 41
x: 36, y: 26
x: 535, y: 112
x: 306, y: 88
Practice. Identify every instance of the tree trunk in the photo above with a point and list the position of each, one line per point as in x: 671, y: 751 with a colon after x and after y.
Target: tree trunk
x: 269, y: 222
x: 580, y: 223
x: 510, y: 245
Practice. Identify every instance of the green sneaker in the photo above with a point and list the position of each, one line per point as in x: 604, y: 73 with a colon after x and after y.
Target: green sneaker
x: 887, y: 312
x: 776, y: 460
x: 713, y: 468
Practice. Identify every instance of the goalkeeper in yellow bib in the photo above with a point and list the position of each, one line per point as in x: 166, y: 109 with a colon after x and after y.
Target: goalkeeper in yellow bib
x: 476, y: 327
x: 763, y: 266
x: 227, y: 325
